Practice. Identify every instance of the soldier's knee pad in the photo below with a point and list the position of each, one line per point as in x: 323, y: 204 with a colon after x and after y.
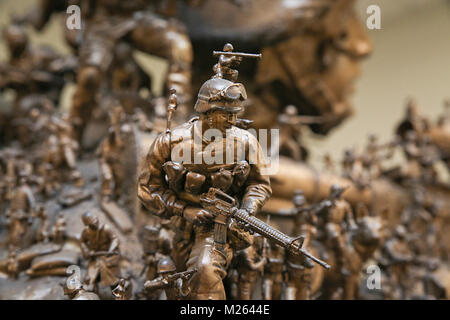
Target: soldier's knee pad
x: 206, y: 269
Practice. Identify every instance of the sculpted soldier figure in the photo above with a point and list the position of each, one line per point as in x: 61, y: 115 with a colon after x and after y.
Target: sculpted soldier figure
x: 110, y: 155
x: 273, y: 278
x: 174, y: 284
x: 139, y: 24
x: 74, y: 290
x: 223, y: 69
x: 61, y: 149
x: 329, y: 164
x: 312, y: 50
x: 155, y: 249
x: 43, y: 234
x: 219, y: 101
x: 337, y: 219
x: 30, y: 70
x: 298, y: 267
x: 399, y: 257
x: 59, y: 229
x: 250, y: 264
x: 123, y: 290
x: 101, y: 247
x: 12, y: 264
x: 20, y: 211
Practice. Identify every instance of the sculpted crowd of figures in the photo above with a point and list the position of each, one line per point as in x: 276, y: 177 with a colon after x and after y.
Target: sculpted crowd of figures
x: 96, y: 200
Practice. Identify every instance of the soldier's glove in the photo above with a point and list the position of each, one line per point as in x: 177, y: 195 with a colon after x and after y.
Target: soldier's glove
x: 196, y: 215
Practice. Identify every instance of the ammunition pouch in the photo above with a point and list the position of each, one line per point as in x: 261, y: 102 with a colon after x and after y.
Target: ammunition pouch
x: 194, y: 182
x: 175, y: 173
x: 238, y: 239
x: 223, y: 179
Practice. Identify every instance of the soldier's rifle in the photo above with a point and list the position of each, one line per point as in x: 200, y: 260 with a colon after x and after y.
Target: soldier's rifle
x: 223, y: 207
x: 185, y: 275
x: 237, y: 54
x: 104, y: 253
x: 164, y: 282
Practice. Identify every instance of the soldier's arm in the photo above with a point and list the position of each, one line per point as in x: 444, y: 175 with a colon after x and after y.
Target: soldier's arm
x: 83, y: 246
x: 256, y: 265
x: 350, y: 220
x: 114, y: 240
x: 258, y: 189
x: 152, y: 188
x: 31, y: 201
x: 155, y: 284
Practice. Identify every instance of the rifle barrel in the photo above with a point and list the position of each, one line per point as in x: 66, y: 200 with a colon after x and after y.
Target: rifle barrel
x: 238, y: 54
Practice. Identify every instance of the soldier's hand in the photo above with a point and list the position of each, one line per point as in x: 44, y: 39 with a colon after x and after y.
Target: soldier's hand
x: 196, y: 215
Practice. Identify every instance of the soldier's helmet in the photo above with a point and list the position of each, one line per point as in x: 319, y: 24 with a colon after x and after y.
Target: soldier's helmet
x: 336, y: 191
x: 89, y: 219
x: 220, y: 94
x: 228, y: 47
x: 291, y: 110
x: 299, y: 198
x: 165, y: 265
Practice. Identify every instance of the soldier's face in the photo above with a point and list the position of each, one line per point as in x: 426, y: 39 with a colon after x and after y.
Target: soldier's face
x: 343, y: 43
x: 324, y: 63
x: 220, y: 119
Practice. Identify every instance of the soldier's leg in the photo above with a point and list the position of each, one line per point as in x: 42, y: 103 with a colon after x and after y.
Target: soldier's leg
x: 245, y: 290
x: 96, y: 55
x: 93, y: 273
x: 245, y: 284
x: 181, y: 243
x: 349, y: 287
x: 106, y: 175
x: 291, y: 291
x: 337, y: 244
x: 167, y: 39
x: 14, y: 232
x: 119, y: 179
x: 304, y: 285
x: 267, y: 288
x: 277, y: 287
x: 211, y: 267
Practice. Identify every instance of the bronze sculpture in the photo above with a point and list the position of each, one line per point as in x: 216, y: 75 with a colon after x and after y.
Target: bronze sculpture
x: 101, y: 247
x: 213, y: 242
